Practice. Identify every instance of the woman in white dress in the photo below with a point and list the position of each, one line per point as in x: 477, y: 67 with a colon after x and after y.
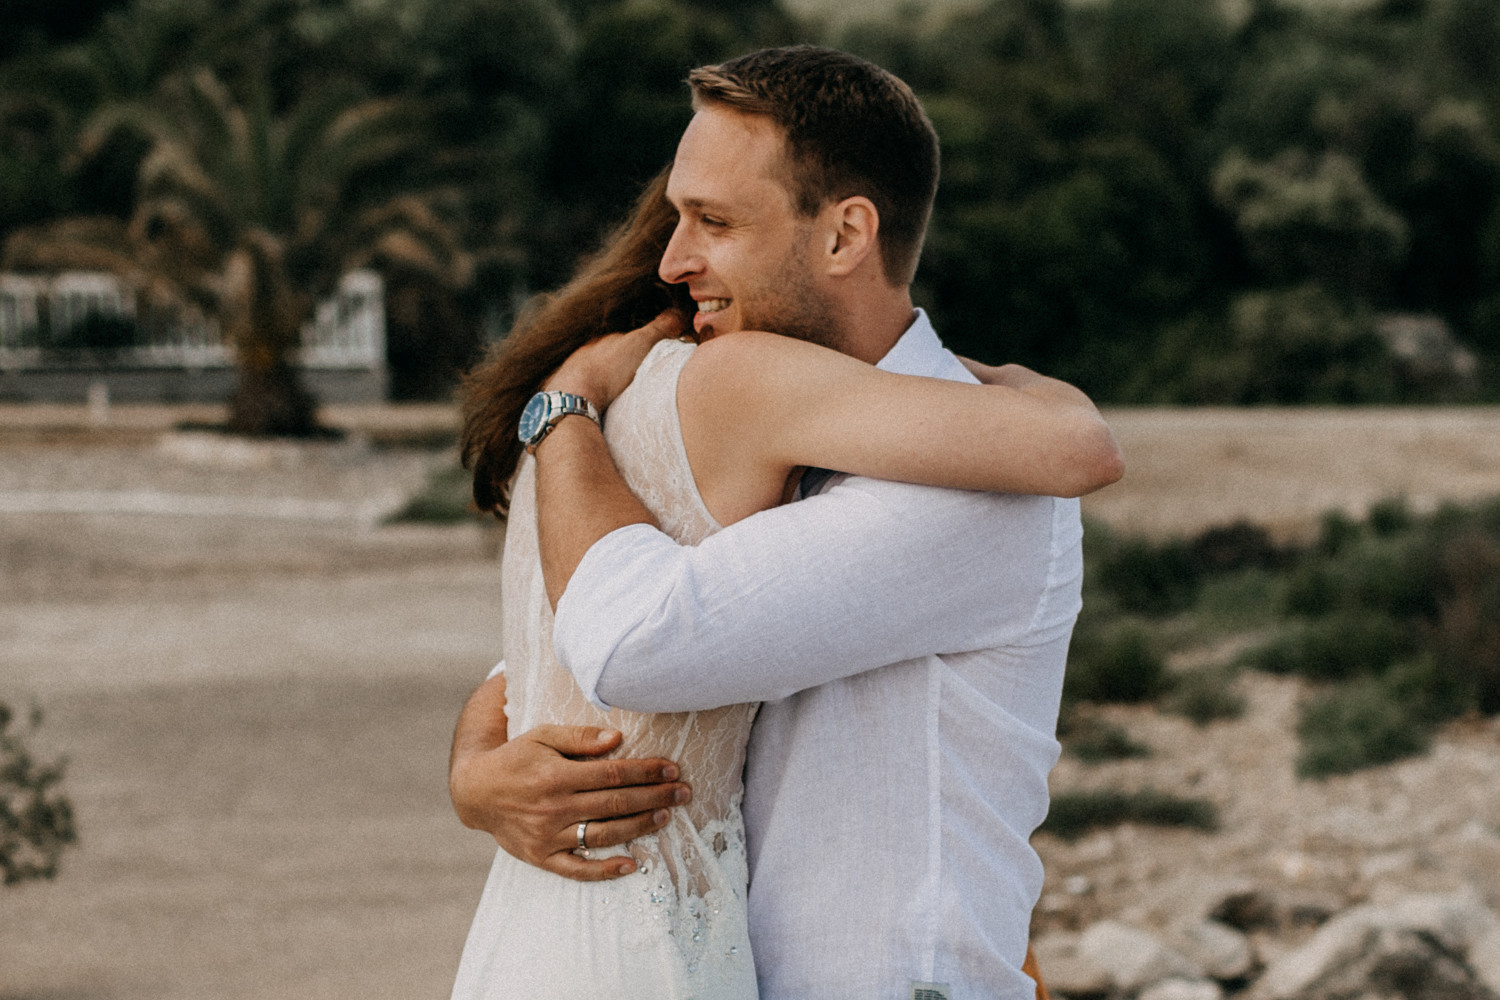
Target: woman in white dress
x: 675, y: 927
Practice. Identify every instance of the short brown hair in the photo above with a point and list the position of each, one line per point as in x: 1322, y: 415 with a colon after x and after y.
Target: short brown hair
x: 851, y: 129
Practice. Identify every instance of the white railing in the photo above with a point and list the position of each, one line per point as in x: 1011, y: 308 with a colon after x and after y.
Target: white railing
x: 347, y: 330
x: 20, y: 316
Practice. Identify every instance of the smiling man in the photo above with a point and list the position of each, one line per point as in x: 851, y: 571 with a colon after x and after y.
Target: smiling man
x: 741, y: 244
x: 906, y: 643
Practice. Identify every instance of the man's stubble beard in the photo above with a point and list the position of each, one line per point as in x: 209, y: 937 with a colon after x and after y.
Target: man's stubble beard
x: 793, y: 307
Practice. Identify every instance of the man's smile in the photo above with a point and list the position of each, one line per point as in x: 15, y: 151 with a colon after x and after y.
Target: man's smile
x: 703, y: 320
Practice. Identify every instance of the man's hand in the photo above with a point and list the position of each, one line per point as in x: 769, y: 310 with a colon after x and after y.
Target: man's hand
x: 530, y: 793
x: 601, y: 369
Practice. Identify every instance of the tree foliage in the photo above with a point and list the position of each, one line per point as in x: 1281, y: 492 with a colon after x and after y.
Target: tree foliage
x: 253, y: 212
x: 1119, y: 178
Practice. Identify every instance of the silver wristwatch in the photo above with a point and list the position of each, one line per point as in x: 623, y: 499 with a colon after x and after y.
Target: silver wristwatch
x: 545, y: 409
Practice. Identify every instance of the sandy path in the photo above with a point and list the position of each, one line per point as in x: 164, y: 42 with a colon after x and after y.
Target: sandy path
x: 1190, y: 469
x: 258, y: 776
x: 257, y: 709
x: 252, y: 839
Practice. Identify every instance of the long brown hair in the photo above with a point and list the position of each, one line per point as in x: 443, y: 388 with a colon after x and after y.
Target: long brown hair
x: 614, y: 290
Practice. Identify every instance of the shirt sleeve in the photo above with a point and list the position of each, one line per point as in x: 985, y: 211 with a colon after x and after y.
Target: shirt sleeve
x: 866, y: 574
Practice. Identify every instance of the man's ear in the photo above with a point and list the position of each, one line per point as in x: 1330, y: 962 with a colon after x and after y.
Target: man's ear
x: 853, y: 229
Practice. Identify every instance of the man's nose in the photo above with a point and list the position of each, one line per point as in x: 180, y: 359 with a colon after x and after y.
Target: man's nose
x: 679, y: 261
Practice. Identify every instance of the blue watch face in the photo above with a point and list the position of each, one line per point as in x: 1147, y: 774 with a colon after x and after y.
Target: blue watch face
x: 533, y: 418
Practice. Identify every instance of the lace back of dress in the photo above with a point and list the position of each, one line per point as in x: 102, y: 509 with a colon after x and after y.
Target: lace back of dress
x: 646, y: 442
x: 696, y: 864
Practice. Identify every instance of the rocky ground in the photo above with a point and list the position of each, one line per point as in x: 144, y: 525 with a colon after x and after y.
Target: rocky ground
x: 1289, y: 854
x: 254, y: 679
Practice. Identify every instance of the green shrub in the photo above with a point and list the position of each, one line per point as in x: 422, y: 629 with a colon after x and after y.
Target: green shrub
x: 1392, y: 576
x: 1074, y: 814
x: 1205, y: 695
x: 1233, y: 547
x: 1162, y: 578
x: 1236, y: 602
x: 1359, y: 725
x: 1466, y: 633
x: 1404, y: 607
x: 1301, y: 344
x: 1390, y: 516
x: 36, y: 820
x: 1338, y: 647
x: 1150, y: 578
x: 1112, y: 663
x: 1314, y: 589
x: 1430, y: 693
x: 1395, y: 576
x: 1336, y: 532
x: 1095, y: 741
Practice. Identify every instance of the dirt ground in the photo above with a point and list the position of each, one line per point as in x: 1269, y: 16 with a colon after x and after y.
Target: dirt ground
x: 1282, y: 468
x: 254, y: 680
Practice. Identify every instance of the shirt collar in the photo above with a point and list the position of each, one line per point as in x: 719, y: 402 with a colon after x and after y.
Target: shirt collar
x: 918, y: 352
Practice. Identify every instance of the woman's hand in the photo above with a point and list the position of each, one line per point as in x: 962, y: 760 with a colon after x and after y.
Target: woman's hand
x: 1013, y: 376
x: 601, y: 369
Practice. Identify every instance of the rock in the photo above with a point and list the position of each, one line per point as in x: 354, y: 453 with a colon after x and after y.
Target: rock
x: 1217, y: 950
x: 1256, y: 910
x: 1408, y: 964
x: 1308, y: 908
x: 1131, y: 957
x: 1414, y: 948
x: 1183, y: 989
x: 1338, y: 944
x: 1246, y: 910
x: 1065, y: 971
x: 1388, y: 962
x: 1378, y: 866
x: 1078, y: 885
x: 1458, y: 920
x: 1484, y: 960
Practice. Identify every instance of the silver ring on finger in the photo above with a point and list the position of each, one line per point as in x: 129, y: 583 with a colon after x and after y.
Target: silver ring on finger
x: 582, y: 850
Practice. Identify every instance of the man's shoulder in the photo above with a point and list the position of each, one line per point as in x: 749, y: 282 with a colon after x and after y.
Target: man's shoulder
x: 1014, y: 541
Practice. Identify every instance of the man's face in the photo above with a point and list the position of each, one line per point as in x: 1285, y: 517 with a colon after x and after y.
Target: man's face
x: 744, y: 252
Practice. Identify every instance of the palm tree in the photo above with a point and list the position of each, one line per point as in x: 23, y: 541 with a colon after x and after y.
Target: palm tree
x: 255, y: 214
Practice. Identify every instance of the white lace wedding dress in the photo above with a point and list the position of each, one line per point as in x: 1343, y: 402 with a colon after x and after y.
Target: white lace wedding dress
x: 676, y: 928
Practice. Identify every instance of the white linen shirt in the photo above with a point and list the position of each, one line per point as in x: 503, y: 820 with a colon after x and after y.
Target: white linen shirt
x: 908, y: 644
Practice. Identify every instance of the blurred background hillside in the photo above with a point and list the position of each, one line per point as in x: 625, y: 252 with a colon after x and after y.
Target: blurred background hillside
x: 1166, y: 201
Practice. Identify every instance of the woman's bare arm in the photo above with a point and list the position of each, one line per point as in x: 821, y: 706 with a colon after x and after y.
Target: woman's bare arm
x: 754, y: 405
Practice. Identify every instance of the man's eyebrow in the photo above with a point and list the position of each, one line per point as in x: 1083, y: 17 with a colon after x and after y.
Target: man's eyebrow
x: 698, y: 204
